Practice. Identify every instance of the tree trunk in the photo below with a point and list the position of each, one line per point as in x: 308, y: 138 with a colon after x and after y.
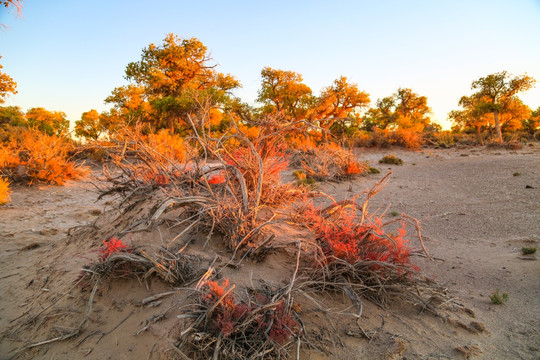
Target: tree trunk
x: 479, y: 135
x: 498, y: 126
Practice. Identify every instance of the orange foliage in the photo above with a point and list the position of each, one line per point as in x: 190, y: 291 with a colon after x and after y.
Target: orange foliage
x: 353, y: 168
x: 303, y: 143
x: 169, y: 146
x: 346, y: 236
x: 4, y: 191
x: 35, y: 156
x: 409, y: 138
x: 215, y: 116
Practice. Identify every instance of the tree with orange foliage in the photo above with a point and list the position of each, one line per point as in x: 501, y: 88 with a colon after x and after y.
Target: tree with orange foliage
x: 494, y: 93
x: 131, y: 104
x: 339, y: 102
x: 532, y: 124
x: 89, y: 125
x: 513, y: 114
x: 402, y: 110
x: 412, y: 110
x: 7, y: 85
x: 48, y: 122
x: 283, y: 92
x: 469, y: 116
x: 170, y: 82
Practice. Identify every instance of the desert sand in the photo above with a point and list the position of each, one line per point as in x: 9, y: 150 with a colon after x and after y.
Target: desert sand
x: 477, y: 207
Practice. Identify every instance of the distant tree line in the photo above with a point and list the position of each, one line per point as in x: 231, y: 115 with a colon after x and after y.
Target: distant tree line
x: 176, y: 83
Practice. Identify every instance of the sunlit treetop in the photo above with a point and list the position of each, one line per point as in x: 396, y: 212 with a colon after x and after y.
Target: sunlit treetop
x: 170, y: 82
x: 176, y: 66
x: 403, y: 109
x: 341, y: 98
x: 285, y: 93
x: 7, y: 85
x: 49, y: 122
x: 495, y: 92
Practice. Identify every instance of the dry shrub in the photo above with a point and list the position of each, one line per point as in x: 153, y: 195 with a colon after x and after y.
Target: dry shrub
x: 274, y: 161
x: 463, y: 139
x: 221, y: 191
x: 4, y: 191
x: 408, y: 138
x: 118, y: 260
x: 444, y: 139
x: 512, y: 145
x: 260, y: 326
x: 331, y: 163
x: 360, y: 139
x: 39, y: 157
x: 97, y: 151
x: 361, y: 255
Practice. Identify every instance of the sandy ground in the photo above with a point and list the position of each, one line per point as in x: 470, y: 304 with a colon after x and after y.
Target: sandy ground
x: 478, y: 208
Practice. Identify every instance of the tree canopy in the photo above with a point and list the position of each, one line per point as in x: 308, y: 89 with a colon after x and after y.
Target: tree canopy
x: 7, y: 85
x: 171, y: 81
x: 284, y: 92
x: 404, y: 110
x: 89, y: 125
x: 496, y: 92
x: 48, y: 122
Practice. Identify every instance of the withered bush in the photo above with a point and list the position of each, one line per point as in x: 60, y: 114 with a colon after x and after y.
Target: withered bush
x: 220, y: 191
x: 363, y: 256
x: 118, y: 260
x: 408, y: 138
x: 262, y: 325
x: 35, y: 156
x: 331, y: 162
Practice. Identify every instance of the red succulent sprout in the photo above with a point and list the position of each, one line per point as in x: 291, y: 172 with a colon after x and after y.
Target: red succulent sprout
x: 113, y: 245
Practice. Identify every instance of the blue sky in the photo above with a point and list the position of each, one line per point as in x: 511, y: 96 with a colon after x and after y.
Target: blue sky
x: 69, y: 55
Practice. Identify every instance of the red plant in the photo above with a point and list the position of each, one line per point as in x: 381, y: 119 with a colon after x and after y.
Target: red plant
x: 112, y: 246
x: 281, y: 324
x: 344, y: 236
x: 216, y: 179
x: 229, y: 314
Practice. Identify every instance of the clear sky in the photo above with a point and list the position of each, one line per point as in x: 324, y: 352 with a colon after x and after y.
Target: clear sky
x: 69, y: 55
